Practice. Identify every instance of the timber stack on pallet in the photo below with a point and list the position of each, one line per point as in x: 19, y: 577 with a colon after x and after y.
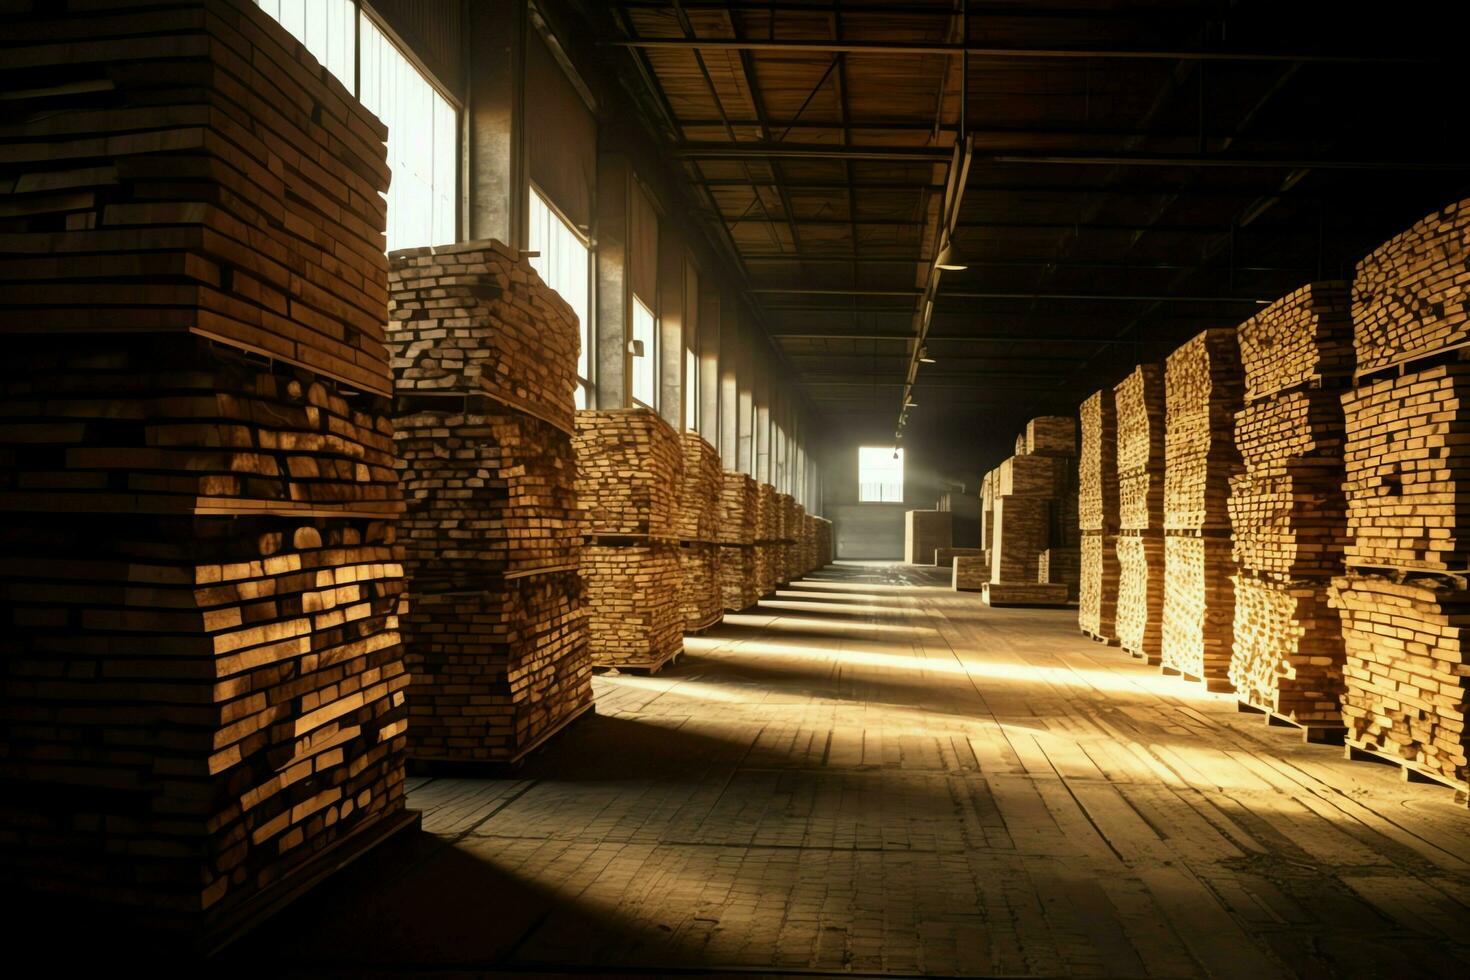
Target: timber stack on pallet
x: 987, y: 516
x: 944, y: 557
x: 925, y: 531
x: 786, y: 534
x: 201, y: 705
x: 630, y: 469
x: 1203, y: 388
x: 1030, y: 507
x: 1138, y: 403
x: 697, y: 527
x: 767, y: 539
x: 1286, y: 509
x: 969, y: 573
x: 1097, y: 518
x: 736, y: 523
x: 1404, y: 597
x: 495, y: 634
x: 824, y: 543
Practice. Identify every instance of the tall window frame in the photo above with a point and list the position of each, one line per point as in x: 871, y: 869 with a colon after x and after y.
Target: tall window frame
x: 565, y: 262
x: 691, y: 390
x: 422, y: 115
x: 880, y: 475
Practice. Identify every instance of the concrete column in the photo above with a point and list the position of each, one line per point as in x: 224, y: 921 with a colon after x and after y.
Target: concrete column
x: 495, y: 152
x: 745, y: 409
x: 763, y: 423
x: 671, y: 324
x: 614, y: 315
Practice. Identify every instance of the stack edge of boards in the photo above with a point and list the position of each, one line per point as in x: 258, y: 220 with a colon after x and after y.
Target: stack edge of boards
x: 1406, y: 589
x: 1138, y: 405
x: 630, y: 473
x: 1033, y: 519
x: 701, y: 596
x: 737, y: 525
x: 1286, y: 508
x: 1202, y: 392
x: 1097, y: 518
x: 203, y: 689
x: 484, y: 357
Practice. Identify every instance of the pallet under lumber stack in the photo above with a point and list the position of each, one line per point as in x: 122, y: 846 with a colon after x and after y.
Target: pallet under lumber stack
x: 1286, y: 509
x: 824, y: 543
x: 1030, y: 494
x: 201, y: 704
x: 495, y: 632
x: 1203, y: 387
x: 1138, y: 403
x: 1403, y: 598
x: 1097, y: 518
x: 697, y: 526
x: 630, y: 469
x: 736, y: 524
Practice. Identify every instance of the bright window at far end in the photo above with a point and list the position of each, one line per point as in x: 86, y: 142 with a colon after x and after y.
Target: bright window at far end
x: 564, y: 262
x: 880, y: 475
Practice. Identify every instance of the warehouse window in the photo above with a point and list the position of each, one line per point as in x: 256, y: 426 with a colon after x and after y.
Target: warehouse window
x: 423, y: 126
x: 564, y: 263
x: 645, y: 355
x: 691, y: 390
x: 880, y: 475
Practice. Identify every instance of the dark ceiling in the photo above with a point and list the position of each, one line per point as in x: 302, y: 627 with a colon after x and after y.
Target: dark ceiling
x: 1118, y: 175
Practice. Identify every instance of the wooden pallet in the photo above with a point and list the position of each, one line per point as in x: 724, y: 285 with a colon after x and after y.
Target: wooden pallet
x: 1313, y: 732
x: 710, y: 624
x: 645, y: 669
x: 1111, y: 641
x: 1355, y: 751
x: 494, y: 768
x: 1215, y: 685
x: 1152, y: 661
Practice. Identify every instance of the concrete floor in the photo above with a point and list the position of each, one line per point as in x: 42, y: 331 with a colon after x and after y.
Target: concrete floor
x: 871, y: 773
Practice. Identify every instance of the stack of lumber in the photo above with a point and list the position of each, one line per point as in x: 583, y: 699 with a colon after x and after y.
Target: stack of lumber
x: 496, y: 672
x: 1409, y: 298
x: 824, y: 543
x: 1138, y: 404
x: 1286, y: 509
x: 1097, y: 517
x: 475, y: 316
x: 697, y: 525
x: 796, y: 565
x: 1061, y: 566
x: 767, y: 539
x: 633, y: 609
x: 786, y: 537
x: 1406, y: 465
x: 630, y: 471
x: 924, y: 532
x: 493, y: 525
x: 808, y: 543
x: 1051, y: 435
x: 944, y: 557
x: 1407, y: 671
x: 203, y: 705
x: 970, y: 573
x: 736, y: 524
x: 1030, y: 497
x: 1203, y: 389
x: 987, y: 510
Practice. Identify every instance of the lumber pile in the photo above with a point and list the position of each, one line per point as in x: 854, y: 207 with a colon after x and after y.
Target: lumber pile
x: 944, y: 557
x: 970, y: 573
x: 1097, y: 516
x: 498, y: 671
x: 789, y: 513
x: 1407, y: 671
x: 739, y: 580
x: 736, y: 524
x: 701, y: 592
x: 925, y: 531
x: 632, y: 597
x: 1286, y: 509
x: 203, y: 675
x: 824, y: 543
x: 1061, y: 566
x: 987, y: 509
x: 1032, y: 507
x: 495, y: 633
x: 1409, y: 299
x: 767, y: 568
x: 767, y: 539
x: 701, y: 493
x: 1140, y: 606
x: 1138, y: 404
x: 474, y: 316
x: 1203, y: 389
x: 630, y: 471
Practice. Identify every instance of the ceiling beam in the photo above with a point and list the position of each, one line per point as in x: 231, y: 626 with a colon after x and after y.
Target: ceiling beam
x: 908, y: 338
x: 956, y: 294
x: 976, y: 51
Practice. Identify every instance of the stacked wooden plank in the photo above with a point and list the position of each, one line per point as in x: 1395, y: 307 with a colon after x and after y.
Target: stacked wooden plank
x: 203, y: 701
x: 495, y: 633
x: 824, y: 543
x: 1097, y: 517
x: 736, y: 525
x: 944, y: 557
x: 1138, y: 403
x: 1408, y: 443
x: 785, y: 551
x: 1286, y: 508
x: 767, y: 539
x: 697, y: 525
x: 630, y: 471
x: 1061, y: 566
x: 925, y: 531
x: 476, y: 317
x: 987, y: 510
x: 1409, y: 298
x: 970, y: 573
x: 1029, y: 513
